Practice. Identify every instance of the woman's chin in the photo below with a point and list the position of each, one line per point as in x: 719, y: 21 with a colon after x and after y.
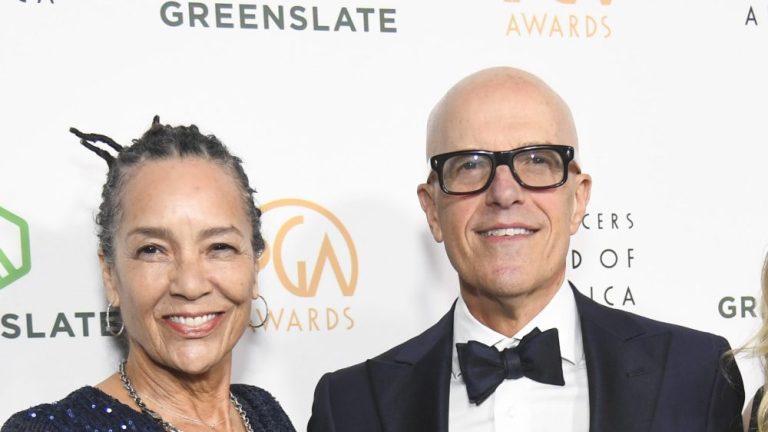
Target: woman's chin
x: 195, y: 361
x: 185, y: 356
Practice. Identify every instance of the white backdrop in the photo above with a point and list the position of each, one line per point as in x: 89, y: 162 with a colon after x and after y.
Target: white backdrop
x: 669, y: 100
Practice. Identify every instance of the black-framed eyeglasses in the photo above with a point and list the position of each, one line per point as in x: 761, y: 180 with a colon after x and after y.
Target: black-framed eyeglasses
x: 534, y: 167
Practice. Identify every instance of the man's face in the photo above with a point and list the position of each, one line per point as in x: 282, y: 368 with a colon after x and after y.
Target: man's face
x: 506, y: 241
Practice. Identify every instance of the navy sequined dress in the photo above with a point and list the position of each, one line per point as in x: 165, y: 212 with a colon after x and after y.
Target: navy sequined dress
x: 90, y: 409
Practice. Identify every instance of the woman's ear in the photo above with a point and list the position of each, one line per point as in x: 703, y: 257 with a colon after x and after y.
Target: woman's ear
x: 110, y: 280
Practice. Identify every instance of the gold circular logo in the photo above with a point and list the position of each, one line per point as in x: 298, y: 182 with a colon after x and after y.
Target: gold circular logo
x: 326, y: 256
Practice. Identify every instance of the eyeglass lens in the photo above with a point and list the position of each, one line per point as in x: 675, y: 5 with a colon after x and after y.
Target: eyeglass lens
x: 470, y: 172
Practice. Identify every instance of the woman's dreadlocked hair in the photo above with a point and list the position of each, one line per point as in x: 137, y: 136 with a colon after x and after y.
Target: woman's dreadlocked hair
x: 162, y: 142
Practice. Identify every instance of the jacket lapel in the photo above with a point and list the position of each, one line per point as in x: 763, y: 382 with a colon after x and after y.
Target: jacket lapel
x: 625, y: 367
x: 411, y: 384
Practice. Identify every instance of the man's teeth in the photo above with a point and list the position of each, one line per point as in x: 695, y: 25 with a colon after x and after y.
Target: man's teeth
x: 507, y: 232
x: 192, y: 321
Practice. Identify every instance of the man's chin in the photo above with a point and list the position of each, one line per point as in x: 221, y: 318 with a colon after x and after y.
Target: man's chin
x: 506, y: 285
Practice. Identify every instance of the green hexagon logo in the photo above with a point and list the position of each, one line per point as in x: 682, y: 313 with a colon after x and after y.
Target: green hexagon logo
x: 9, y: 273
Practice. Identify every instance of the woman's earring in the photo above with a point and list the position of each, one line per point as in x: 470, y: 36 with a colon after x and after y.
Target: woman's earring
x: 110, y: 324
x: 264, y: 319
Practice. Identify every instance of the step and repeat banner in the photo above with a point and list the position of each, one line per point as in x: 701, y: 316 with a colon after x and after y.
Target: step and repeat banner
x: 327, y: 102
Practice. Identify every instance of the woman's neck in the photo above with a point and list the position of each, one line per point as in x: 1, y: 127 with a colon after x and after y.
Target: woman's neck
x: 190, y: 402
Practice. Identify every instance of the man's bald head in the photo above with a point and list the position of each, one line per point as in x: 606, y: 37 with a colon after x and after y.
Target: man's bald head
x: 528, y: 110
x: 507, y: 240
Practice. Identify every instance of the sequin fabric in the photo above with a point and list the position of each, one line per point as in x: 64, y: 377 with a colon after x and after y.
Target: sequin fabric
x: 89, y: 409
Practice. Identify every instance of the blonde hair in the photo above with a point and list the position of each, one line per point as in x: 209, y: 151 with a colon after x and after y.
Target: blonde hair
x: 758, y: 346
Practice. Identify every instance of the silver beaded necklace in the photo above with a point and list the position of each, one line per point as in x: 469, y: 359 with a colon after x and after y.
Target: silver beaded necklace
x: 167, y: 427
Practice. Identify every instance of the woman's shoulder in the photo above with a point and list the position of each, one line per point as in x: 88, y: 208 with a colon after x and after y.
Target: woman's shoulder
x: 45, y: 416
x: 83, y: 408
x: 264, y: 411
x: 251, y: 392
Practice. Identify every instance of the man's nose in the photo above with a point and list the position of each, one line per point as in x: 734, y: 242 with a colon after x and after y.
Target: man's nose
x: 504, y: 189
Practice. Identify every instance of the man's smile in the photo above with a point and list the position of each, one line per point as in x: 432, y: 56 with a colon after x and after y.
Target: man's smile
x: 506, y: 232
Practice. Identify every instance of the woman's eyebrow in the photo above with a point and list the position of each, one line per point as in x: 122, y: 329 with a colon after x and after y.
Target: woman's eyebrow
x: 215, y: 231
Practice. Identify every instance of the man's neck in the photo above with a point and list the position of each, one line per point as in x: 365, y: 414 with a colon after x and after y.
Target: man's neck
x: 508, y: 314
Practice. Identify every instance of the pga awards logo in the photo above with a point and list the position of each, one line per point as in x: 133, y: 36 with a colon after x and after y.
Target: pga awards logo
x: 312, y: 257
x: 559, y: 19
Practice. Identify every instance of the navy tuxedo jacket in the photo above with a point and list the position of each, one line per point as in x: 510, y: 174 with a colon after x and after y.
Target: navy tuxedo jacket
x: 643, y: 375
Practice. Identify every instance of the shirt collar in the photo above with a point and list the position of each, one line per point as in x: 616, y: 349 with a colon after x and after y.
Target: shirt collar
x: 560, y: 313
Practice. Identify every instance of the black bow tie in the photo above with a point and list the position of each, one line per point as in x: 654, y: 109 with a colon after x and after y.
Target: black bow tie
x: 484, y: 368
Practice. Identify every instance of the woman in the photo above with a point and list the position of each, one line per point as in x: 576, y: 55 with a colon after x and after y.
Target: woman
x: 179, y: 242
x: 756, y: 413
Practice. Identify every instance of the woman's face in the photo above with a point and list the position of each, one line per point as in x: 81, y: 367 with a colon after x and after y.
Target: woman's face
x: 184, y: 270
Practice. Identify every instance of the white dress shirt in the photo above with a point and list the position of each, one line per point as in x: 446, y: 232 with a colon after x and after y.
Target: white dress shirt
x: 523, y: 404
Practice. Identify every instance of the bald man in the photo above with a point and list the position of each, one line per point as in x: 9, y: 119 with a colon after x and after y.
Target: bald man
x: 522, y: 349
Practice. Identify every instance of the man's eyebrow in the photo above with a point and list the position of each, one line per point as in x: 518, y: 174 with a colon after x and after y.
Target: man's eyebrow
x: 532, y: 143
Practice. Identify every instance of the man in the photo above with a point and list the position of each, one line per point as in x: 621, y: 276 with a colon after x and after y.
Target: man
x: 505, y: 194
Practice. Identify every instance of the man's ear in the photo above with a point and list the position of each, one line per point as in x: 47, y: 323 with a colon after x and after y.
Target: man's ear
x: 426, y: 193
x: 580, y: 200
x: 110, y: 280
